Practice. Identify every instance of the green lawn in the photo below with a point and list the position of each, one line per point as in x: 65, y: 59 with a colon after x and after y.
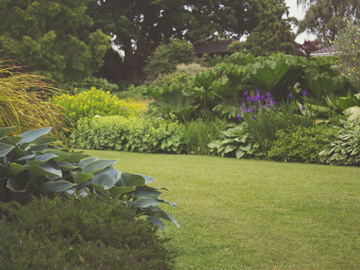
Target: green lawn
x: 244, y: 214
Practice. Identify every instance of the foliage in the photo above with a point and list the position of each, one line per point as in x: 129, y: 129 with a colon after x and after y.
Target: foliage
x: 347, y: 43
x: 273, y: 33
x: 87, y: 83
x: 53, y: 38
x: 129, y: 134
x: 93, y: 102
x: 92, y: 232
x: 344, y: 149
x: 265, y: 117
x: 301, y: 144
x: 166, y: 57
x: 23, y: 101
x: 29, y: 167
x: 199, y: 133
x: 139, y: 32
x: 325, y: 17
x: 308, y: 47
x: 235, y: 141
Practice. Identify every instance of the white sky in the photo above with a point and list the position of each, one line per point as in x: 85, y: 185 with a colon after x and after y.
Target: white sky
x: 299, y: 13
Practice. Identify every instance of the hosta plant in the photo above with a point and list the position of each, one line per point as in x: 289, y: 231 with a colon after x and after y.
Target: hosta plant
x: 236, y: 141
x: 29, y: 166
x: 345, y: 150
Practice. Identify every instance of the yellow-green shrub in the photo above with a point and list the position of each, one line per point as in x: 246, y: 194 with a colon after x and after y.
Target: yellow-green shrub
x: 94, y: 102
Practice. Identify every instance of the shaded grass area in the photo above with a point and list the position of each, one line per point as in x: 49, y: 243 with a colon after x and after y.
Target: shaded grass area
x: 244, y: 214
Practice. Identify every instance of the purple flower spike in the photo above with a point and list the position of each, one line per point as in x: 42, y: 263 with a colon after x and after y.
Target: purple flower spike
x: 251, y: 109
x: 246, y: 93
x: 238, y: 116
x: 249, y: 99
x: 305, y: 93
x: 268, y: 94
x: 290, y: 96
x: 253, y: 118
x: 303, y: 107
x: 245, y: 110
x: 261, y: 106
x: 273, y: 102
x: 258, y: 92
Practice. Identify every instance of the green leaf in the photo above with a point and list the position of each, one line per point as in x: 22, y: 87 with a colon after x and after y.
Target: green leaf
x: 98, y: 165
x: 45, y: 169
x: 229, y: 148
x: 41, y: 159
x: 4, y: 131
x: 32, y: 135
x: 148, y: 179
x: 5, y: 149
x: 246, y: 148
x: 66, y: 166
x: 146, y: 202
x: 76, y: 157
x: 120, y: 190
x: 164, y: 215
x: 129, y: 179
x: 106, y: 178
x: 17, y: 184
x: 80, y: 177
x: 239, y: 153
x: 17, y: 168
x: 57, y: 186
x: 145, y: 191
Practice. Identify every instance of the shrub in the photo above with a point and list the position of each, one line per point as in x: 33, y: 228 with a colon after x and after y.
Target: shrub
x: 29, y: 167
x: 345, y: 148
x: 199, y: 133
x: 23, y: 101
x: 301, y: 144
x: 93, y: 102
x: 84, y: 233
x: 167, y: 56
x: 87, y: 83
x: 132, y: 134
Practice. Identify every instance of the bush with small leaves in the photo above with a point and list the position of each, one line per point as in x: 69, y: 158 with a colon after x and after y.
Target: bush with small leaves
x: 79, y: 233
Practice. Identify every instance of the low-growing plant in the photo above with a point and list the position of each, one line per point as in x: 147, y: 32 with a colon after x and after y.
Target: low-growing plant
x: 236, y: 142
x: 129, y: 134
x: 94, y: 102
x: 199, y: 133
x: 301, y: 144
x: 345, y: 148
x: 78, y: 233
x: 30, y: 167
x: 87, y: 83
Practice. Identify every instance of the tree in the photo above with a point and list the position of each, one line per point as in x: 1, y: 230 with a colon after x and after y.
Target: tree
x: 308, y: 47
x: 167, y: 56
x: 139, y: 26
x: 347, y: 42
x: 273, y: 33
x: 53, y: 37
x: 325, y: 17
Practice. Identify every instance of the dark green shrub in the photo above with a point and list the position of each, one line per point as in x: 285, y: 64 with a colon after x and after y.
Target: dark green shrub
x: 198, y: 134
x: 129, y: 134
x: 301, y: 144
x: 167, y: 56
x: 29, y: 167
x: 345, y: 148
x: 85, y: 233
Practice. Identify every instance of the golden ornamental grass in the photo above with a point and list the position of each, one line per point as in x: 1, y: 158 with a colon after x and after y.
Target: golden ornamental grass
x: 24, y: 101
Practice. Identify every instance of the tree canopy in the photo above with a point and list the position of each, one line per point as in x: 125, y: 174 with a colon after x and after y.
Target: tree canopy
x: 53, y: 37
x: 325, y: 17
x: 139, y: 26
x: 273, y: 33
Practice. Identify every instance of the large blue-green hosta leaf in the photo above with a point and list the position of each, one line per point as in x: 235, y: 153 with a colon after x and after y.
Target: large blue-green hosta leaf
x: 98, y: 166
x: 57, y: 186
x: 106, y: 178
x: 32, y: 135
x: 129, y: 179
x: 4, y: 131
x: 5, y: 149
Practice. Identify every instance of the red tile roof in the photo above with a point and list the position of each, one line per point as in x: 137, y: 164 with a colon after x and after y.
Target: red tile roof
x: 326, y: 50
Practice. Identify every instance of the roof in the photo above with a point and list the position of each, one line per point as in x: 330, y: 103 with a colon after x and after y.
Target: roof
x: 325, y: 51
x: 219, y: 46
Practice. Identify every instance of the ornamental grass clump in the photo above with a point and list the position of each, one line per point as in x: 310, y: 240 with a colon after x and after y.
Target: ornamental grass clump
x: 94, y: 102
x: 23, y: 101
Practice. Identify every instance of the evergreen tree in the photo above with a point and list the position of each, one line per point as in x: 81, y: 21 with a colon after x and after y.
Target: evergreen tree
x: 273, y: 33
x: 53, y: 37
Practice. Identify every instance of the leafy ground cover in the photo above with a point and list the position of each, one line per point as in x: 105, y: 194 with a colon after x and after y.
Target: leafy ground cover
x: 245, y: 214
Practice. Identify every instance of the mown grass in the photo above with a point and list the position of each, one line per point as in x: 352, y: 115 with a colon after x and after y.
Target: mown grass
x: 244, y: 214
